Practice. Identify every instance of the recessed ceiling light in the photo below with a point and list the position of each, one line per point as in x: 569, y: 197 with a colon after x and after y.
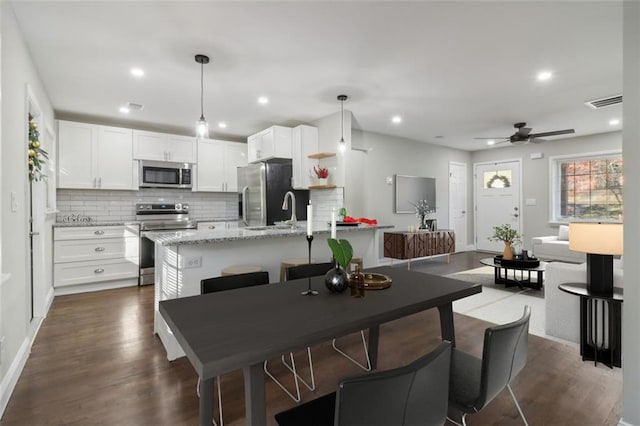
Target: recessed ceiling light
x: 396, y: 119
x: 491, y: 142
x: 614, y: 122
x: 545, y: 75
x: 124, y: 110
x: 263, y: 100
x: 222, y: 125
x: 137, y: 72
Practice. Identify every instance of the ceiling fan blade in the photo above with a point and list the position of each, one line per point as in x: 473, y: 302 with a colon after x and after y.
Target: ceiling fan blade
x: 554, y: 133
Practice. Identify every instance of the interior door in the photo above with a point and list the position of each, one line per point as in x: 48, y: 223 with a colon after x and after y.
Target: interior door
x: 497, y: 193
x: 458, y: 202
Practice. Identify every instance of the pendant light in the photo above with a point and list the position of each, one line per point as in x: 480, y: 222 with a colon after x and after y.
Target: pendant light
x: 342, y: 146
x: 202, y: 127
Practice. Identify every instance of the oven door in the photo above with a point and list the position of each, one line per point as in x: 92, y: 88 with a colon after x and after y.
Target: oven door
x: 147, y: 261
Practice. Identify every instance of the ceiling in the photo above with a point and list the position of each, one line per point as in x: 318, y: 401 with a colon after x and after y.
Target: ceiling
x: 452, y: 70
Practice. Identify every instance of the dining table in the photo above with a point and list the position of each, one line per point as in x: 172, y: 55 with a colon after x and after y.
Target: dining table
x: 239, y: 329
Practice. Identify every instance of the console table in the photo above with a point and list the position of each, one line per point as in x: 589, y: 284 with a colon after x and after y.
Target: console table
x: 600, y: 324
x: 411, y: 245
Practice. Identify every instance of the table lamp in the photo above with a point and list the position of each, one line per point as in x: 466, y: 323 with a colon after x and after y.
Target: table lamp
x: 601, y: 241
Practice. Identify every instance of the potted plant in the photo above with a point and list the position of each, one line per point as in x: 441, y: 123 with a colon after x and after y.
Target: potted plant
x: 337, y: 279
x: 424, y: 212
x: 508, y: 236
x: 322, y: 174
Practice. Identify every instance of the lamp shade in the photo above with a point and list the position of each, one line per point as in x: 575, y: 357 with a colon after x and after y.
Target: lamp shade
x: 596, y: 238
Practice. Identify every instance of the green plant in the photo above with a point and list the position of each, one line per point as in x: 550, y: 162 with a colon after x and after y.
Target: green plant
x: 342, y: 251
x: 37, y: 155
x: 505, y: 233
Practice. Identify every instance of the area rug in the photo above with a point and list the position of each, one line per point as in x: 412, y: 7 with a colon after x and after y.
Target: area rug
x: 498, y: 304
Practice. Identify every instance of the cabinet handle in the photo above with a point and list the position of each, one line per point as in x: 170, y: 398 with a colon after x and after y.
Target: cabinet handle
x: 99, y: 248
x: 212, y: 227
x: 100, y: 182
x: 99, y: 232
x: 94, y: 182
x: 98, y: 271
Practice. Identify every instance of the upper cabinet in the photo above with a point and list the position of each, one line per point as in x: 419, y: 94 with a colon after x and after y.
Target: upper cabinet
x: 217, y: 165
x: 274, y: 142
x: 304, y: 143
x: 163, y: 147
x: 92, y: 156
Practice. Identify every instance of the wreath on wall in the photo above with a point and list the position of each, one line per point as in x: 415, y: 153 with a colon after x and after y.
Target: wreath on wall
x: 37, y: 155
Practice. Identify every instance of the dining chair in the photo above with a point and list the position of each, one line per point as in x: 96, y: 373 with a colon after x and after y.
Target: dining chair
x: 410, y: 395
x: 316, y: 269
x: 475, y: 382
x: 224, y: 283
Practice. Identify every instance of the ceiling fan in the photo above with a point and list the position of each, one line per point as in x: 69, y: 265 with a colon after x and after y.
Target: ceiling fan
x: 523, y: 135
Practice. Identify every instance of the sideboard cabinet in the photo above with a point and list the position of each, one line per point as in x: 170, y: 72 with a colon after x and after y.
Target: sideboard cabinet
x: 411, y: 245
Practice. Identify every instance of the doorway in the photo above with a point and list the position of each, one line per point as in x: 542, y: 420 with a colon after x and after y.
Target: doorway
x: 458, y: 203
x: 498, y: 200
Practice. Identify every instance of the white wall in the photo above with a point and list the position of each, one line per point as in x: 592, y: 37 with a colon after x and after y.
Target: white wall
x: 535, y: 173
x: 631, y: 151
x: 17, y: 72
x: 387, y: 156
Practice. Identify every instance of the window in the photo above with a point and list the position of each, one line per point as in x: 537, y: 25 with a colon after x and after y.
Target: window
x: 587, y: 187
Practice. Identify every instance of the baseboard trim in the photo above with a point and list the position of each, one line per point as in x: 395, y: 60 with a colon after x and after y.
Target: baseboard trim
x: 99, y: 286
x: 13, y: 374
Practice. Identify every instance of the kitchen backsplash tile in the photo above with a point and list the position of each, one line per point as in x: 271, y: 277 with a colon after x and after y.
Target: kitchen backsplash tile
x: 323, y: 201
x: 105, y: 206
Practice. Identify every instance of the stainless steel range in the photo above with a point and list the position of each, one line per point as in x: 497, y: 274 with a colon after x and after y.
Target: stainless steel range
x: 158, y: 217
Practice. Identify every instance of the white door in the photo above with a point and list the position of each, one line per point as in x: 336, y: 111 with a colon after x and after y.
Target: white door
x: 497, y: 193
x: 458, y: 202
x: 115, y: 158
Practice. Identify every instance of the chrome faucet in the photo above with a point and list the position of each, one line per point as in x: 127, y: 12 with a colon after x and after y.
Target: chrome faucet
x: 293, y: 221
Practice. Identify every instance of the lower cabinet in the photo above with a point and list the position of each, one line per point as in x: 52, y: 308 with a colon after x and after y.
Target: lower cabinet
x: 104, y: 256
x: 410, y: 245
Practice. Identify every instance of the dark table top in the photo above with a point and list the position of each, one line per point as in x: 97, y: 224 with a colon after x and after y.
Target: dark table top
x: 221, y: 332
x: 580, y: 289
x: 490, y: 261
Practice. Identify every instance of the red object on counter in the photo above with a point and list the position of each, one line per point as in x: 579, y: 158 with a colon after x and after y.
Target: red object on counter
x: 349, y: 219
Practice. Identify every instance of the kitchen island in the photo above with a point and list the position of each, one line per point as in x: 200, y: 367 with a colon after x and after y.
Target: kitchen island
x: 183, y: 258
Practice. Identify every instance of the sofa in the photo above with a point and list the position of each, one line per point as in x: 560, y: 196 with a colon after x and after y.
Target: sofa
x: 562, y: 310
x: 556, y: 247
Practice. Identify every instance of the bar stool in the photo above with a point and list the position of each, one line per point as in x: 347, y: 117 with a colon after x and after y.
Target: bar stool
x: 287, y: 263
x: 240, y: 269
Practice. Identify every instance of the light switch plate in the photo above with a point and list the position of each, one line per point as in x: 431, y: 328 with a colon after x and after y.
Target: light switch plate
x: 389, y: 180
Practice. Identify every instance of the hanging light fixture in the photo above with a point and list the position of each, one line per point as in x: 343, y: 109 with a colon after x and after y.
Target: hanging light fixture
x: 342, y: 146
x: 202, y: 127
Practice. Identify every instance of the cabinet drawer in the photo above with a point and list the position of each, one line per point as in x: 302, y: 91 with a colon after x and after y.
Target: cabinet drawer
x: 95, y: 249
x: 93, y: 232
x: 73, y: 273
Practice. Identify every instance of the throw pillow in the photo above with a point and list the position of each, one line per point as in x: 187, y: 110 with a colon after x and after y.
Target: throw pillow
x: 563, y: 233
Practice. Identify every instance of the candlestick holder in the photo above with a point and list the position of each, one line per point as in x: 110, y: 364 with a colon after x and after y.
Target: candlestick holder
x: 309, y: 291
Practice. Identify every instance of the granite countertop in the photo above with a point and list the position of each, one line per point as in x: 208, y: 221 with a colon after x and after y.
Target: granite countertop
x: 127, y: 223
x: 191, y: 237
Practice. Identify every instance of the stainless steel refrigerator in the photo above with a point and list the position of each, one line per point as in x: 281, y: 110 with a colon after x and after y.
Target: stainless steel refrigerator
x: 262, y: 188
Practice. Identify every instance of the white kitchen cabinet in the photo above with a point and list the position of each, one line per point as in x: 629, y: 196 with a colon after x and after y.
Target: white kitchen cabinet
x: 217, y: 165
x: 274, y: 142
x: 304, y: 143
x: 101, y: 256
x: 163, y: 147
x: 92, y: 156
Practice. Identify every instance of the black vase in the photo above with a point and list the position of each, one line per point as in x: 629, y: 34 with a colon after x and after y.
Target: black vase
x: 336, y: 279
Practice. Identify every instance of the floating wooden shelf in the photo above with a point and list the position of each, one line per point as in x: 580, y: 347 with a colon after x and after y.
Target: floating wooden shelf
x: 321, y: 186
x: 320, y: 155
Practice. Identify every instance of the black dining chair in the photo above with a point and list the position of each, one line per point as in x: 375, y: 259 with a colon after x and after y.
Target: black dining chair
x: 415, y: 394
x: 316, y: 269
x: 224, y: 283
x: 475, y: 382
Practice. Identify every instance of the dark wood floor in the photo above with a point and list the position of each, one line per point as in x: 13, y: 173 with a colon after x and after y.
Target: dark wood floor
x: 96, y: 361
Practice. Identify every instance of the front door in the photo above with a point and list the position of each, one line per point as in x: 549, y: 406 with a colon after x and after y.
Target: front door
x: 497, y: 194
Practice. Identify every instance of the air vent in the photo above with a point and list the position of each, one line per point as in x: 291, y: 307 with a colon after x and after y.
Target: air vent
x: 604, y: 102
x: 135, y: 107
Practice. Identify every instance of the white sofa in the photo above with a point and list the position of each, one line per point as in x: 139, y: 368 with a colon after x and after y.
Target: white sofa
x: 562, y: 310
x: 556, y: 247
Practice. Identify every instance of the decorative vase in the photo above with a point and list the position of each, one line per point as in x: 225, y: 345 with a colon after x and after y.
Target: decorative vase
x: 508, y: 252
x: 423, y: 224
x: 323, y: 181
x: 336, y: 279
x: 356, y: 282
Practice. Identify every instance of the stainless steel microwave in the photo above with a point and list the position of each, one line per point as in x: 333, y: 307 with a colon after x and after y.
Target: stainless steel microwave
x: 161, y: 174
